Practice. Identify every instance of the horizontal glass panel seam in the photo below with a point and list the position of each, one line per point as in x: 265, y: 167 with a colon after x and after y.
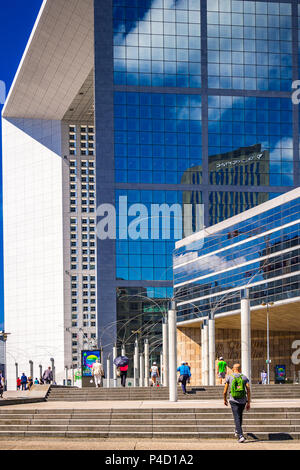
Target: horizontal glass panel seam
x: 238, y: 244
x: 245, y: 286
x: 263, y: 258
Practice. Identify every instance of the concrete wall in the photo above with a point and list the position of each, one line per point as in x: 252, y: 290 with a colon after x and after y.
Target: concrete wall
x: 228, y: 345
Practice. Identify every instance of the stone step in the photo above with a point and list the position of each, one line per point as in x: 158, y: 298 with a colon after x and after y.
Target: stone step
x: 264, y: 436
x: 152, y: 428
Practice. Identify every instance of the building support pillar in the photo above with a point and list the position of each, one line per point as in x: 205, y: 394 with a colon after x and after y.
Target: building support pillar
x: 115, y: 353
x: 165, y: 366
x: 108, y: 371
x: 136, y: 364
x: 142, y: 370
x: 212, y: 351
x: 146, y: 354
x: 205, y: 354
x: 245, y: 334
x: 172, y: 334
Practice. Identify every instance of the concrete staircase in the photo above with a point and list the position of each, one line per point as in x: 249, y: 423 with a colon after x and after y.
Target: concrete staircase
x: 209, y: 423
x: 276, y: 392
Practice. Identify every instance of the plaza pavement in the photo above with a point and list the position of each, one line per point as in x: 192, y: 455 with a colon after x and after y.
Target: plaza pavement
x: 164, y: 404
x: 142, y: 444
x: 136, y: 444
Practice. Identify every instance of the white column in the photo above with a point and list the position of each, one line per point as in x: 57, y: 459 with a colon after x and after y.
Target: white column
x: 135, y: 364
x: 142, y: 370
x: 205, y: 353
x: 114, y: 367
x: 123, y: 351
x: 67, y: 375
x: 108, y: 371
x: 146, y: 355
x: 202, y: 354
x: 173, y: 396
x: 212, y: 351
x: 245, y: 334
x: 165, y: 364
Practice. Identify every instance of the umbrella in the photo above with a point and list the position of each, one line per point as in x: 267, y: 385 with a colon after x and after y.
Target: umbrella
x: 121, y: 361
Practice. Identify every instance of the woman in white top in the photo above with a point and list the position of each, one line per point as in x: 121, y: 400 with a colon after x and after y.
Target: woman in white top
x: 154, y: 374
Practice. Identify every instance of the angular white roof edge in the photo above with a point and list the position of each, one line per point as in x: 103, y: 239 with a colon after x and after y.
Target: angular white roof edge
x: 57, y: 59
x: 283, y: 198
x: 23, y: 57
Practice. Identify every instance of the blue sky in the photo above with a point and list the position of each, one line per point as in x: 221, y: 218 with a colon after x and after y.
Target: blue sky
x: 18, y: 18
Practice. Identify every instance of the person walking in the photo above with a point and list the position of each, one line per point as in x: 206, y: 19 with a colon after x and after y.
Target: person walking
x: 30, y: 383
x: 123, y: 374
x: 185, y: 374
x: 24, y: 381
x: 189, y: 379
x: 221, y: 369
x: 2, y: 383
x: 239, y: 398
x: 264, y: 377
x: 98, y: 373
x: 48, y: 376
x: 18, y: 383
x: 154, y: 374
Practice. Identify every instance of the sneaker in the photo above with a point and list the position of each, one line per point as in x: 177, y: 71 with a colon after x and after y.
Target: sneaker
x: 236, y: 434
x: 241, y: 439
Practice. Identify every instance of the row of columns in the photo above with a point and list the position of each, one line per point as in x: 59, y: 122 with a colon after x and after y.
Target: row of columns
x: 208, y: 344
x: 141, y: 363
x: 169, y: 351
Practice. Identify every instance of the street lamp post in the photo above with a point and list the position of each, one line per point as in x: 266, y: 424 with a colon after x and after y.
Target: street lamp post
x: 268, y: 338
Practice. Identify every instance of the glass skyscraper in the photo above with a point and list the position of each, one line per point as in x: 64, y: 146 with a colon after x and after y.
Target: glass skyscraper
x: 118, y: 103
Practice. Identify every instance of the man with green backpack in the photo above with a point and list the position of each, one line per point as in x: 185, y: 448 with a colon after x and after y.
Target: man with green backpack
x: 239, y: 398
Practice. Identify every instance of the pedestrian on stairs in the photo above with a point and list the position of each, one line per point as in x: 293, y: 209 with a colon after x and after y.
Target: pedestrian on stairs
x: 98, y: 373
x: 239, y: 398
x: 185, y: 374
x: 154, y: 374
x: 48, y: 376
x: 2, y: 382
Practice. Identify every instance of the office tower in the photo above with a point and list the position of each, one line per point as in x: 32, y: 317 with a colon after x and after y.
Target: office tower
x: 167, y: 86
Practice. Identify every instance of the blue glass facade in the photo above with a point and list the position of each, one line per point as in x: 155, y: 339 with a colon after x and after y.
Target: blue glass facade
x: 193, y: 104
x: 261, y: 252
x: 158, y: 136
x: 249, y: 45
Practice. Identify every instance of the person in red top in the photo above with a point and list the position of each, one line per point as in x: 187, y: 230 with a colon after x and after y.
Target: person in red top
x: 18, y: 383
x: 123, y: 371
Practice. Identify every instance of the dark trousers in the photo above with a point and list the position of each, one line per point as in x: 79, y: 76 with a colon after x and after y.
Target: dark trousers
x: 24, y: 386
x: 237, y: 411
x: 123, y: 378
x: 183, y: 383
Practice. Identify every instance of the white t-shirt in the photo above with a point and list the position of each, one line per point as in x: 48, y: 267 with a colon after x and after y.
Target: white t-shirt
x: 97, y: 368
x: 154, y: 370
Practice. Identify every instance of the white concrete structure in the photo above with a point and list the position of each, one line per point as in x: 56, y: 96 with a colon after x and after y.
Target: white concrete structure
x: 57, y: 62
x: 211, y: 352
x: 146, y: 364
x: 205, y: 373
x: 165, y: 365
x: 173, y: 395
x: 246, y: 334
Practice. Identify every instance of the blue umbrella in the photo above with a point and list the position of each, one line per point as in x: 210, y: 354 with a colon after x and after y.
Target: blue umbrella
x: 121, y: 361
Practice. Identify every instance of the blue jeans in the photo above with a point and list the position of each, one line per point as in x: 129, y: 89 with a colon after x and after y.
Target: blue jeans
x: 183, y: 383
x: 237, y: 411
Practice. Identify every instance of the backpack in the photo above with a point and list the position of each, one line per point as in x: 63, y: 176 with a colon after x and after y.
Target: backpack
x: 238, y: 389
